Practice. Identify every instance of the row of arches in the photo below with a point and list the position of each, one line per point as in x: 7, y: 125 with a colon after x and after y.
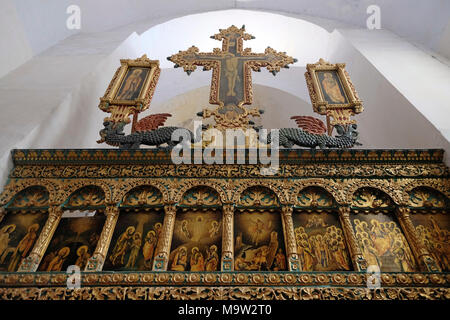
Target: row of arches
x: 260, y: 233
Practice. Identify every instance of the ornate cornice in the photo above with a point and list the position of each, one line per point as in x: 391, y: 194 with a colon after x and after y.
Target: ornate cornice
x: 161, y: 156
x: 223, y: 293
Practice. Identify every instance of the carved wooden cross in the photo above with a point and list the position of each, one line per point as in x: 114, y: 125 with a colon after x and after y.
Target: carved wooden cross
x: 231, y: 84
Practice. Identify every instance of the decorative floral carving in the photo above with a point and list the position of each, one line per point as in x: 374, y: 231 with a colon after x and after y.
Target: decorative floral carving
x: 425, y: 197
x: 143, y: 196
x: 258, y: 196
x: 201, y: 196
x: 371, y: 198
x: 32, y: 197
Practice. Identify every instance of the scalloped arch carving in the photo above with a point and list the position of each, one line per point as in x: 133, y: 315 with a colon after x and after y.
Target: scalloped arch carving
x: 369, y: 197
x: 442, y: 187
x: 142, y: 195
x: 124, y: 187
x: 14, y: 188
x: 275, y: 187
x: 88, y: 198
x: 34, y: 196
x: 315, y: 197
x: 71, y: 187
x: 200, y: 196
x: 259, y: 196
x: 427, y: 197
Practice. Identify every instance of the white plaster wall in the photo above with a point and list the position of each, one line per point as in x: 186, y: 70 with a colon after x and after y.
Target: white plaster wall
x: 67, y: 116
x: 28, y: 27
x: 44, y: 21
x: 422, y: 79
x: 389, y: 119
x: 281, y: 34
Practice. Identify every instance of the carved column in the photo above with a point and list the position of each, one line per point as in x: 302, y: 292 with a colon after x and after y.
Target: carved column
x: 227, y: 262
x: 423, y: 257
x: 289, y: 238
x: 97, y: 260
x: 2, y: 214
x: 31, y: 263
x: 359, y: 262
x: 165, y: 241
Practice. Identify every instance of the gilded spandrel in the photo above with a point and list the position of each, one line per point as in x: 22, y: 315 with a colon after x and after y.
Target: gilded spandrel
x: 157, y: 230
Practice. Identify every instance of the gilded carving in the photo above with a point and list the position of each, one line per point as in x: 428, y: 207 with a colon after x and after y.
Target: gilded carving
x: 425, y: 197
x: 315, y: 197
x: 258, y: 196
x: 405, y: 180
x: 142, y: 196
x: 227, y: 261
x: 121, y: 97
x: 289, y: 236
x: 371, y: 199
x: 32, y: 197
x: 163, y: 247
x: 89, y: 196
x: 201, y: 196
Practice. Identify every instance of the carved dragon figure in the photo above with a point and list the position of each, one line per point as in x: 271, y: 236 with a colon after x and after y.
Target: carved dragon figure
x: 312, y: 133
x: 148, y: 132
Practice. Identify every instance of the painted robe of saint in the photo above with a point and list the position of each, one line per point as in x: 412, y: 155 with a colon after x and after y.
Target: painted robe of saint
x: 331, y: 88
x: 24, y: 247
x: 179, y: 262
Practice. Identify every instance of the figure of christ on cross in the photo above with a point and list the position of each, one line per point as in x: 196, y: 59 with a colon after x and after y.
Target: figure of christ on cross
x: 231, y: 84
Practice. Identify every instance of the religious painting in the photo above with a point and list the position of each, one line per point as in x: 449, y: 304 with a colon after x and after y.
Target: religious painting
x: 433, y: 231
x: 131, y: 88
x: 196, y: 241
x: 320, y: 241
x: 133, y: 245
x: 73, y: 243
x: 18, y: 235
x: 331, y: 87
x: 259, y: 241
x: 382, y: 242
x: 332, y: 93
x: 132, y: 84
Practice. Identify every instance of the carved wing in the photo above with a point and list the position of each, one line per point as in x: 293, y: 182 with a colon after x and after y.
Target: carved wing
x: 310, y: 124
x: 152, y: 122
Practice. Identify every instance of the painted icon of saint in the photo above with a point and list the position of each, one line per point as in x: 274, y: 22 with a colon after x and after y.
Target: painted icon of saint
x: 197, y: 260
x: 24, y: 247
x: 180, y: 260
x: 213, y: 259
x: 331, y: 88
x: 58, y: 261
x: 148, y: 250
x: 121, y: 247
x: 83, y: 256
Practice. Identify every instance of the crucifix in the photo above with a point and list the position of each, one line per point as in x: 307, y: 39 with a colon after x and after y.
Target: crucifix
x: 231, y: 83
